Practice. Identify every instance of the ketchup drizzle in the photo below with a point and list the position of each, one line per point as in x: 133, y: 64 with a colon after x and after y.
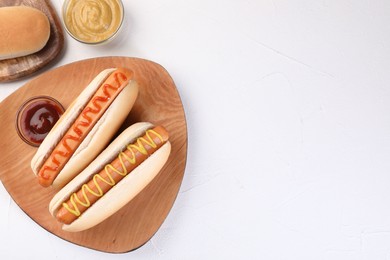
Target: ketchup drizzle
x: 81, y: 124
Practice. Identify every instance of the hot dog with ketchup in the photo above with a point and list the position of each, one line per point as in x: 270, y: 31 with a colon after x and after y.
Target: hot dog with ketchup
x: 114, y: 178
x: 86, y: 127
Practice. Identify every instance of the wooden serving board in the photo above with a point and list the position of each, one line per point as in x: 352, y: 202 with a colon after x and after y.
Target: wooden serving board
x: 158, y: 102
x: 12, y: 69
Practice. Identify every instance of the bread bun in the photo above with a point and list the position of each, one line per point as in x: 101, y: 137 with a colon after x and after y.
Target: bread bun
x: 24, y: 30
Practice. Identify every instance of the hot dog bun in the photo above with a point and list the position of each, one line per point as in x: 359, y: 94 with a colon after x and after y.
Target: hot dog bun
x: 24, y: 30
x: 120, y: 194
x: 97, y: 138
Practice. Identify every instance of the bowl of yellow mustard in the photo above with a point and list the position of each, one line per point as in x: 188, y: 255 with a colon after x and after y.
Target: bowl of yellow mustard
x: 93, y: 21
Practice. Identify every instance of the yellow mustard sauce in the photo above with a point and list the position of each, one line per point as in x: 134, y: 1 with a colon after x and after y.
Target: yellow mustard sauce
x: 139, y: 145
x: 93, y: 21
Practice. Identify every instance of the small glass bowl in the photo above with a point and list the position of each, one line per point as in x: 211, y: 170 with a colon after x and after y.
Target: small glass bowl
x: 37, y: 107
x: 65, y: 10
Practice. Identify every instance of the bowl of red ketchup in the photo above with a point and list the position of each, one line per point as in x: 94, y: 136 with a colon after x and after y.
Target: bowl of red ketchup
x: 36, y: 117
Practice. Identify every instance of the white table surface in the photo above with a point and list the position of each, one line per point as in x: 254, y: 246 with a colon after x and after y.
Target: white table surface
x: 288, y: 113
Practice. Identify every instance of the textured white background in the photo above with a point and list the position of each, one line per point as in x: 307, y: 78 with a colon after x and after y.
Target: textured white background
x: 288, y: 109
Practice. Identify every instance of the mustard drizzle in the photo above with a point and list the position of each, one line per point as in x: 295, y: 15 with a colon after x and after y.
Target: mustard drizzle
x: 138, y: 145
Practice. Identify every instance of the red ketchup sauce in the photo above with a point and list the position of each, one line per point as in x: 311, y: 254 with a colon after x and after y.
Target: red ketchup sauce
x: 36, y: 118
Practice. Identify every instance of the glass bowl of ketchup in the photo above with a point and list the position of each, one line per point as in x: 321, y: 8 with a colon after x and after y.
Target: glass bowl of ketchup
x: 36, y: 117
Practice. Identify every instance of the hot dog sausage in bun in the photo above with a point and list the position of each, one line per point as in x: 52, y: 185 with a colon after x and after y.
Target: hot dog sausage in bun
x: 113, y: 179
x: 86, y: 127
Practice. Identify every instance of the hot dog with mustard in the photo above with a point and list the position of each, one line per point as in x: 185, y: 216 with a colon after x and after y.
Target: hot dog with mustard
x: 114, y: 178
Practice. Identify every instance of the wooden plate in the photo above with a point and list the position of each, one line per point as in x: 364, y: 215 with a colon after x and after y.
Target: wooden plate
x: 12, y: 69
x: 158, y: 102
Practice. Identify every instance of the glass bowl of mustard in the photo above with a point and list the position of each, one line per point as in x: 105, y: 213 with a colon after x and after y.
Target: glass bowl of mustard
x: 93, y: 21
x: 36, y: 117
